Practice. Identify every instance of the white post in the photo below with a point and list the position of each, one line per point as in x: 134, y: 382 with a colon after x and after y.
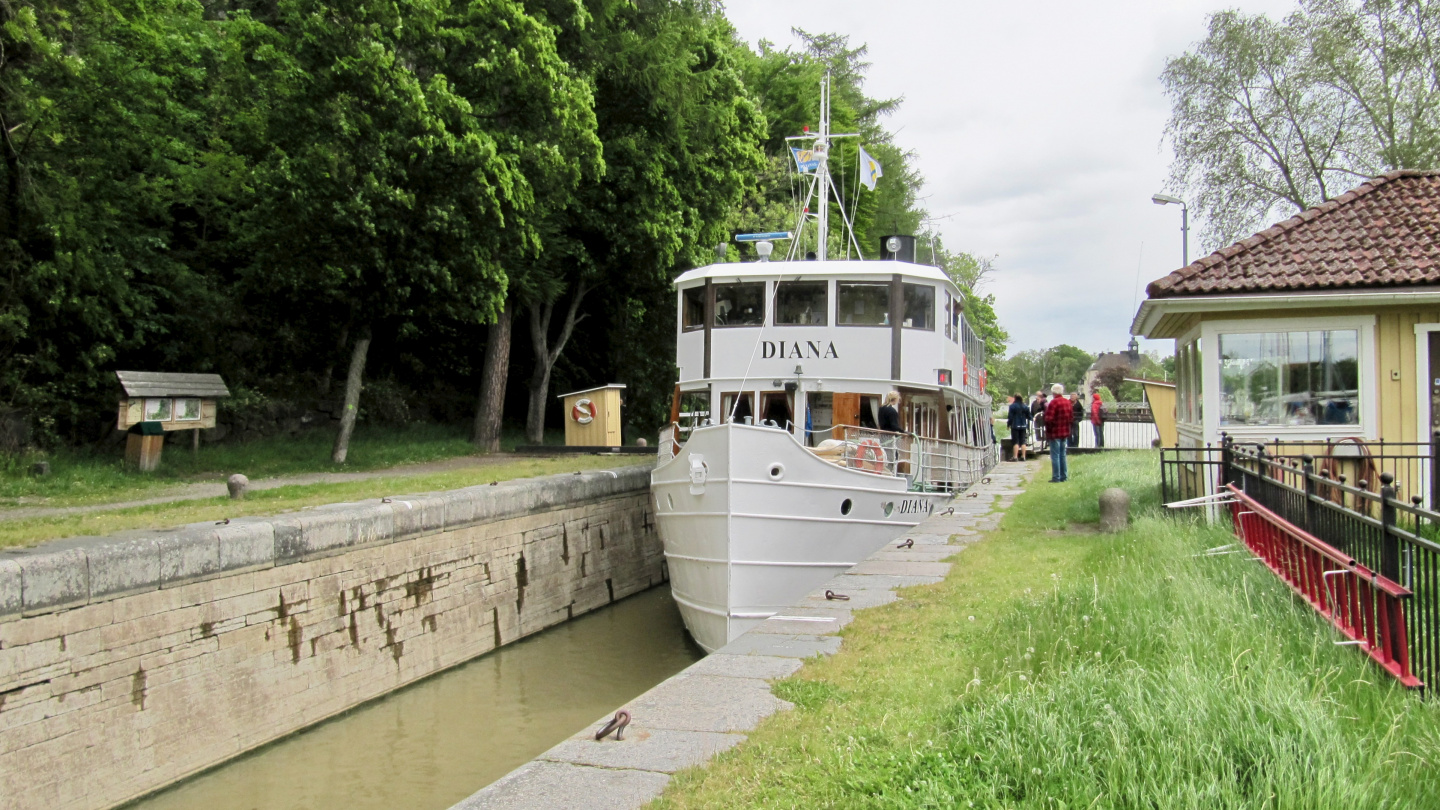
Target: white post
x: 822, y: 149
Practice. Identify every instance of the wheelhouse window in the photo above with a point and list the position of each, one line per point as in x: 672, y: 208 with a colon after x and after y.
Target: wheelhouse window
x: 802, y: 303
x: 741, y: 304
x: 919, y: 307
x: 864, y: 304
x: 692, y: 308
x: 1290, y: 378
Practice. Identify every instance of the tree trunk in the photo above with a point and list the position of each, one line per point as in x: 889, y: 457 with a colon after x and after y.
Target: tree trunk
x: 545, y: 358
x: 352, y: 396
x: 491, y: 405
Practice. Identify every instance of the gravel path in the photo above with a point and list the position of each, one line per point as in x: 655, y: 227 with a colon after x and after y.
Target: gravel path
x: 202, y: 490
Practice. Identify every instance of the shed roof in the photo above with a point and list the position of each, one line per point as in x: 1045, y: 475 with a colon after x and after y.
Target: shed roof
x: 1383, y: 233
x: 619, y: 386
x: 162, y: 384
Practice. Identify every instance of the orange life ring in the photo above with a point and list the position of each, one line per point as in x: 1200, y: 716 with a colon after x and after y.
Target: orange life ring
x: 869, y: 456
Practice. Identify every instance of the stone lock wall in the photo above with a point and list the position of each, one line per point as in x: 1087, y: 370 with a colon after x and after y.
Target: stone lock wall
x: 129, y: 662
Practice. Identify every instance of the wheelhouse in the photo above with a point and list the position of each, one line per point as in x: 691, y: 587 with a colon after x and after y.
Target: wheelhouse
x: 814, y: 345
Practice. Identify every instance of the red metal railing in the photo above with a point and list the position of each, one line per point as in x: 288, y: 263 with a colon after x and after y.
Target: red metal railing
x: 1368, y: 608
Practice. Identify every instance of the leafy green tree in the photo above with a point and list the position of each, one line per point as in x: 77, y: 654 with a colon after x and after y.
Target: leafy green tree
x: 103, y: 111
x: 681, y: 141
x: 1269, y: 118
x: 392, y: 170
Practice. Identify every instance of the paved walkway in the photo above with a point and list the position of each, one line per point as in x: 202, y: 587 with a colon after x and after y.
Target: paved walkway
x: 203, y: 490
x: 710, y: 706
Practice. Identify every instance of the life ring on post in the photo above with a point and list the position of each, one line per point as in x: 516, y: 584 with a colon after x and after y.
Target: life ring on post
x: 869, y: 456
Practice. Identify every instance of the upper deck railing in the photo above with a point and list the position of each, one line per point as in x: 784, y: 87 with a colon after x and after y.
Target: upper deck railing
x: 931, y: 465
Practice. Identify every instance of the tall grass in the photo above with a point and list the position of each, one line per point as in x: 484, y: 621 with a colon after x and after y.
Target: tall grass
x: 1067, y: 669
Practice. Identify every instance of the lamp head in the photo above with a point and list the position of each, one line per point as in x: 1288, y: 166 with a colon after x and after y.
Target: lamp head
x: 764, y: 249
x: 1166, y: 199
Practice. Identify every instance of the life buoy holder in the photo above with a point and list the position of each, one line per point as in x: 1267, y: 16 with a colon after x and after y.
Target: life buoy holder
x: 583, y: 411
x: 869, y: 456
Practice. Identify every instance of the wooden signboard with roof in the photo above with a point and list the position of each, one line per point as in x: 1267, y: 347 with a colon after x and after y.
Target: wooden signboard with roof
x: 155, y: 403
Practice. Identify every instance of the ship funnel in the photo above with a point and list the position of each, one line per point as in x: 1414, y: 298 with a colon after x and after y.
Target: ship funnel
x: 897, y: 248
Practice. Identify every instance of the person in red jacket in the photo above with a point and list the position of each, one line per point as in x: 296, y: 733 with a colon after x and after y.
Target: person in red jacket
x: 1058, y: 415
x: 1097, y: 420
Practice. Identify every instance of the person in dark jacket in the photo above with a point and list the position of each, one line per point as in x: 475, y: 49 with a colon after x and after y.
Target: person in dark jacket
x: 890, y: 421
x: 1058, y: 416
x: 1018, y: 420
x: 1037, y: 415
x: 1077, y: 415
x: 889, y: 414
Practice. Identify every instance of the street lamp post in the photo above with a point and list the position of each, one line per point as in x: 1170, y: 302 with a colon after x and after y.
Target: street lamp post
x: 1166, y: 199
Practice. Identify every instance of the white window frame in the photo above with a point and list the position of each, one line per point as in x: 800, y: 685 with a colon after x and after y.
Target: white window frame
x: 1183, y: 423
x: 1363, y: 325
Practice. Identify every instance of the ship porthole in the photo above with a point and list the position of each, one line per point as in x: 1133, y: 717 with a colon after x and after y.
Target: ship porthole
x: 777, y: 471
x: 670, y: 499
x: 845, y: 506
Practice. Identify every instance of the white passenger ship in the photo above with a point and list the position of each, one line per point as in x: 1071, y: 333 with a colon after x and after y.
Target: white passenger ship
x: 782, y: 479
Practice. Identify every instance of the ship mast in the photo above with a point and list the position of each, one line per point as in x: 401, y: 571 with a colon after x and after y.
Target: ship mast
x: 823, y: 183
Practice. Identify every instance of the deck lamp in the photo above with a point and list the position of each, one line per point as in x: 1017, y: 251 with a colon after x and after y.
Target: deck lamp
x: 764, y: 249
x: 1166, y: 199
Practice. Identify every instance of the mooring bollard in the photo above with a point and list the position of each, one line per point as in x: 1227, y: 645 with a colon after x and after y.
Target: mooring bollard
x: 237, y: 484
x: 1114, y: 510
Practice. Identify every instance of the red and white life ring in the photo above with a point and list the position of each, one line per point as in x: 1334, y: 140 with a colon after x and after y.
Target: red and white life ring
x: 869, y: 456
x: 583, y: 411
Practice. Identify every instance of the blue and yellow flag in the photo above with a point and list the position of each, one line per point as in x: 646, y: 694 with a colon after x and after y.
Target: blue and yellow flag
x: 806, y: 160
x: 869, y: 169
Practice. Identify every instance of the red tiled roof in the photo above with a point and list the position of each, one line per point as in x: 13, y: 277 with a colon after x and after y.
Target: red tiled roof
x: 1382, y: 233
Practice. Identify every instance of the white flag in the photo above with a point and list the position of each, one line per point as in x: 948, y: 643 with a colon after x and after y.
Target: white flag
x: 869, y: 169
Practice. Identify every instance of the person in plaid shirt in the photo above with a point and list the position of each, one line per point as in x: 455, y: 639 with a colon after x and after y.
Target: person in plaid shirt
x: 1058, y: 415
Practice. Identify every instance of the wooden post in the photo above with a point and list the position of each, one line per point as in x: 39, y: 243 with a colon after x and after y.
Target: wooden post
x: 195, y: 443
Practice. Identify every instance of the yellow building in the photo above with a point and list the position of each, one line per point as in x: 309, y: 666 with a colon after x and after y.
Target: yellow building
x: 1325, y: 326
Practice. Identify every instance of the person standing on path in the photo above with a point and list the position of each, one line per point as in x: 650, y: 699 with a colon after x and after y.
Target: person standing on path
x: 1097, y: 420
x: 1077, y: 414
x: 1037, y: 413
x: 1018, y: 420
x: 1058, y: 415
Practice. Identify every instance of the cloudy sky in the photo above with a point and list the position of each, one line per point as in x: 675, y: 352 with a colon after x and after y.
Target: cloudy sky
x: 1039, y: 129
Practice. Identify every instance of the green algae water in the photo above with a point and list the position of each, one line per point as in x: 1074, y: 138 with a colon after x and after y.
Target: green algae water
x: 431, y: 744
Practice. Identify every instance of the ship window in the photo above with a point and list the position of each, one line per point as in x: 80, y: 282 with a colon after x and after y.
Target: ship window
x: 740, y: 304
x: 955, y: 320
x: 864, y: 304
x: 949, y: 308
x: 919, y: 307
x: 802, y: 303
x: 692, y: 306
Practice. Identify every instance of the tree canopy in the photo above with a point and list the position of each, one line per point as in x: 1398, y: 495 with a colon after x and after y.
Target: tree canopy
x: 1271, y: 117
x: 316, y: 198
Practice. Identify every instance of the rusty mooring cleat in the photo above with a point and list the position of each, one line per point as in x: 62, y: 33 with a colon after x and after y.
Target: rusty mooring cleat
x: 617, y: 724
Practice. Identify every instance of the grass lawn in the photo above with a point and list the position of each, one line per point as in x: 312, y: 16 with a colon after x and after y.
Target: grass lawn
x: 81, y: 477
x: 28, y: 532
x: 1058, y: 668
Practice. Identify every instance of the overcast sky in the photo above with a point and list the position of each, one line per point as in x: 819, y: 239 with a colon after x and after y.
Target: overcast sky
x: 1039, y: 129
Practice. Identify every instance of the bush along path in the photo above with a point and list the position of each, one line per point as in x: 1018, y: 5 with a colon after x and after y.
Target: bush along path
x: 1056, y: 667
x: 711, y: 705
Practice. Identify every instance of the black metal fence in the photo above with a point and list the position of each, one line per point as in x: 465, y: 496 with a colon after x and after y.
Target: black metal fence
x: 1370, y: 507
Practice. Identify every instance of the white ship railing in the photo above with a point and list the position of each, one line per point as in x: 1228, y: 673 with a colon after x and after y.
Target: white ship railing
x: 929, y: 464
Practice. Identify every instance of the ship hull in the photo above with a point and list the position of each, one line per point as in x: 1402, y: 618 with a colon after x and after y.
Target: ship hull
x: 752, y: 521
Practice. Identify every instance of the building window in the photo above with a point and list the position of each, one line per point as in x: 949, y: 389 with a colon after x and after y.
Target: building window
x: 740, y: 304
x: 187, y: 409
x: 864, y: 304
x: 802, y: 303
x: 692, y: 308
x: 157, y: 410
x: 919, y: 307
x: 1290, y: 378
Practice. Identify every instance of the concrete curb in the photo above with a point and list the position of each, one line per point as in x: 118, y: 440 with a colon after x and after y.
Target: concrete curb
x: 82, y: 570
x: 711, y: 705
